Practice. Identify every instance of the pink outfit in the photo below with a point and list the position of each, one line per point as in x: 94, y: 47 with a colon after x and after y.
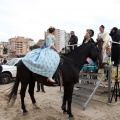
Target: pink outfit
x: 89, y: 60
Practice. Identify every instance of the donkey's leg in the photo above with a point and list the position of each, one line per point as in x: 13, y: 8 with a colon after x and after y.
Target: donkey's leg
x: 69, y: 99
x: 64, y: 101
x: 22, y: 93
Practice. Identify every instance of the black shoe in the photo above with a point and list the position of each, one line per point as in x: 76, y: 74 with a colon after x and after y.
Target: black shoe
x: 38, y: 91
x: 55, y: 84
x: 43, y: 91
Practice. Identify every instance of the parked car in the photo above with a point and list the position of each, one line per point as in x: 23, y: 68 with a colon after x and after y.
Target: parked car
x: 9, y: 71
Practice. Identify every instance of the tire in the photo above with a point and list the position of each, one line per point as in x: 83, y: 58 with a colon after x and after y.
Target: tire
x: 5, y: 78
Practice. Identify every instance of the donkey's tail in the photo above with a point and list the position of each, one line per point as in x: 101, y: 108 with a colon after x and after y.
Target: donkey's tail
x: 12, y: 95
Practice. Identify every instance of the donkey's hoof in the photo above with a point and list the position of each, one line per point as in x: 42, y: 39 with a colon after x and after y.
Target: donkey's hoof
x: 25, y: 112
x: 35, y: 106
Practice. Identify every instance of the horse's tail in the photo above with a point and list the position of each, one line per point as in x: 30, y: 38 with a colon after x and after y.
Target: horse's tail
x: 12, y: 95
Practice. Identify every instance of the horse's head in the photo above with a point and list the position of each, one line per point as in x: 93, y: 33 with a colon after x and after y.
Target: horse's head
x: 94, y: 53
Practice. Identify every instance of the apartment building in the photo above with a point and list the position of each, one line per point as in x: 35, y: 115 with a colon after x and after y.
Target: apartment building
x: 60, y: 39
x: 19, y: 45
x: 1, y: 49
x: 67, y: 38
x: 31, y: 41
x: 5, y: 44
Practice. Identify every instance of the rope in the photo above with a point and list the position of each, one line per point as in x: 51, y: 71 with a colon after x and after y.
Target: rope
x: 72, y: 61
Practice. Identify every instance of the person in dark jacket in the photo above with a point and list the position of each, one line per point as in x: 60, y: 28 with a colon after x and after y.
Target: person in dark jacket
x: 88, y: 36
x: 39, y: 85
x: 73, y: 40
x: 1, y: 69
x: 115, y: 50
x: 115, y: 34
x: 4, y: 61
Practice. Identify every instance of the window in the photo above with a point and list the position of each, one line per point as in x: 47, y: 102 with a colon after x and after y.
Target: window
x: 12, y: 62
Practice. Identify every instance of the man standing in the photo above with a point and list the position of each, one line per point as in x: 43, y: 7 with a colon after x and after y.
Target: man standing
x: 39, y: 85
x: 73, y: 40
x: 115, y: 34
x: 4, y: 61
x: 1, y: 69
x: 115, y: 50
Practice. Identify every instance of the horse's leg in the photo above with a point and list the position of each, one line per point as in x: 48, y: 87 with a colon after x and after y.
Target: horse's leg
x: 22, y: 93
x: 31, y: 93
x: 69, y: 99
x: 64, y: 101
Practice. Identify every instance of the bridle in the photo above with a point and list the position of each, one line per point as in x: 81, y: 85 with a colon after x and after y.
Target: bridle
x: 72, y: 61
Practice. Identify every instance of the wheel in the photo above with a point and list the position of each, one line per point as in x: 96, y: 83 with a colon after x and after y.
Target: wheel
x: 5, y: 78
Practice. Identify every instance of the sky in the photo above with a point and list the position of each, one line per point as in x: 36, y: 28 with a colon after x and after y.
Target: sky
x: 30, y: 18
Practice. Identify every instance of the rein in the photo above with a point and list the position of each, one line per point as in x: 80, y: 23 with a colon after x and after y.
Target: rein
x: 71, y: 61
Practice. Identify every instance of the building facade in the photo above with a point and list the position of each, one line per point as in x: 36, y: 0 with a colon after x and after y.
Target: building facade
x: 67, y: 38
x: 19, y: 46
x: 1, y: 49
x: 5, y: 44
x: 31, y: 41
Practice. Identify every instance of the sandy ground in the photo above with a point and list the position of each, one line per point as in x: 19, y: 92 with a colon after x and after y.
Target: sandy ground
x: 50, y: 107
